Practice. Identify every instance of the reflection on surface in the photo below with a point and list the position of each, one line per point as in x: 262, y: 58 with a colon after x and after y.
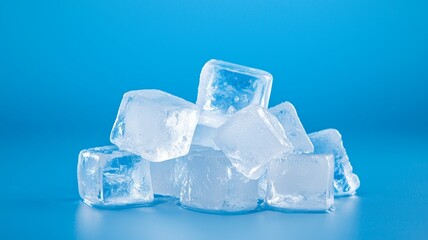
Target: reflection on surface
x: 40, y: 200
x: 167, y: 220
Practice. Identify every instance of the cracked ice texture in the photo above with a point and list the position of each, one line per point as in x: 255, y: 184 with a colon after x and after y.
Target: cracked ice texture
x: 302, y: 182
x: 251, y: 138
x: 155, y: 125
x: 110, y: 177
x: 211, y: 183
x: 329, y: 141
x: 225, y: 88
x: 287, y: 116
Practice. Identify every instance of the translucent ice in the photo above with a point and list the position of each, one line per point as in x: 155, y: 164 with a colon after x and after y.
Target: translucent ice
x: 166, y: 177
x: 287, y: 116
x: 301, y: 182
x: 225, y: 88
x: 211, y: 183
x: 251, y: 138
x: 108, y: 176
x: 155, y: 125
x: 204, y: 136
x: 329, y: 141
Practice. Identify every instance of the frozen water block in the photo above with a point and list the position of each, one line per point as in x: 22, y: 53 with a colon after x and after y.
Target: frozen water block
x: 225, y: 88
x: 301, y: 182
x: 251, y: 138
x: 204, y: 136
x: 212, y: 184
x: 166, y: 177
x: 287, y: 116
x: 329, y: 141
x: 155, y: 125
x: 109, y: 177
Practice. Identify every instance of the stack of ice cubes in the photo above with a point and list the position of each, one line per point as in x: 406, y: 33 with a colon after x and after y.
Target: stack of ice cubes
x: 228, y: 153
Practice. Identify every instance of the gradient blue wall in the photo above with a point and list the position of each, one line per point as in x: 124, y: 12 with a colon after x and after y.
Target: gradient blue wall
x: 359, y: 65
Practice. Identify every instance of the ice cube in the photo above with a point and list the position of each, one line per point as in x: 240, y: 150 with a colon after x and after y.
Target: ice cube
x: 108, y: 176
x: 329, y: 141
x: 211, y: 183
x: 251, y: 138
x: 301, y: 182
x: 166, y: 177
x: 155, y: 125
x: 287, y: 116
x: 204, y: 136
x: 225, y: 88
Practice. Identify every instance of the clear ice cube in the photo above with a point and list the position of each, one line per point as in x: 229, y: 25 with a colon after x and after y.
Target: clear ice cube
x: 251, y: 138
x: 287, y: 116
x: 166, y: 177
x: 108, y: 176
x: 204, y: 136
x: 211, y: 183
x: 155, y: 125
x: 329, y: 141
x: 225, y: 88
x: 302, y: 182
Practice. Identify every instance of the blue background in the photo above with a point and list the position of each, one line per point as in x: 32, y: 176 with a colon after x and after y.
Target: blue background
x: 360, y: 66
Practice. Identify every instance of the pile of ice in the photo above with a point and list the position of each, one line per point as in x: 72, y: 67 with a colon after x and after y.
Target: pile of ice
x: 228, y: 152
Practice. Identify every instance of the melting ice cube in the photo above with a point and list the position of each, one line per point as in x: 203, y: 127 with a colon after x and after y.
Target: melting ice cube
x: 329, y: 141
x: 225, y: 88
x: 251, y: 138
x: 155, y: 125
x: 211, y: 183
x: 301, y: 182
x: 108, y: 176
x: 287, y: 116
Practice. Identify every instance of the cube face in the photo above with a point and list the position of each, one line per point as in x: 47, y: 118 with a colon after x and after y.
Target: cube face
x: 89, y: 177
x: 166, y: 177
x: 300, y: 182
x: 225, y: 88
x: 287, y: 116
x: 329, y: 141
x: 250, y: 139
x: 155, y: 125
x: 108, y: 176
x: 211, y: 183
x: 204, y: 136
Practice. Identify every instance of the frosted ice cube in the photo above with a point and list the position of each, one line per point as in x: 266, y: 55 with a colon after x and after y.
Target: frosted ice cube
x: 329, y: 141
x: 204, y: 136
x: 287, y: 116
x: 225, y: 88
x: 108, y: 176
x: 166, y: 177
x: 251, y: 138
x: 155, y: 125
x: 211, y: 183
x: 301, y: 182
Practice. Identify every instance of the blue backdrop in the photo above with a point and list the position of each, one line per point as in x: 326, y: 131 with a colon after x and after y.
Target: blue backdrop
x: 359, y: 66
